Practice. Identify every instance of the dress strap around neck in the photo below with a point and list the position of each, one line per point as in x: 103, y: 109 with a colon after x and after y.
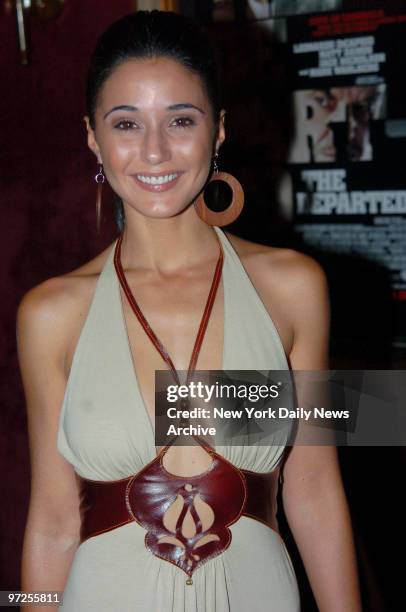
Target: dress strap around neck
x: 146, y: 326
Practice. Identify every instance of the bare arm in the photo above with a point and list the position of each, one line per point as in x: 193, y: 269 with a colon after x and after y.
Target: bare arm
x: 313, y: 494
x: 53, y: 522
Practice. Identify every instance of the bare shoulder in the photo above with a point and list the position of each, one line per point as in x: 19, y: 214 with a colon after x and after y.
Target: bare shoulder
x: 287, y: 269
x: 52, y: 312
x: 292, y: 286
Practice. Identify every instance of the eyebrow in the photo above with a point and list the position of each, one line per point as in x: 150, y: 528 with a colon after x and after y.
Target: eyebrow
x: 172, y: 107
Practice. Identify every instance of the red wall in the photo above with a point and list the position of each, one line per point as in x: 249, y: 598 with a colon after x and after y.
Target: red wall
x: 47, y: 208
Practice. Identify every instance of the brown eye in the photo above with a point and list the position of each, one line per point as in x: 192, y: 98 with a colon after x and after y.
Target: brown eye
x: 183, y: 122
x: 125, y: 125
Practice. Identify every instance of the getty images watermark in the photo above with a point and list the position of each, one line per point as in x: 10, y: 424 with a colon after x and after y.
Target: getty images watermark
x: 251, y: 407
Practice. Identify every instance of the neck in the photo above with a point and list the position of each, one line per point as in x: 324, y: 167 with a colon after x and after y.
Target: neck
x: 167, y: 245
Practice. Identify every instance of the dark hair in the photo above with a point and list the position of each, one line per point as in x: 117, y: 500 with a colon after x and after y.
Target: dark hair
x: 149, y: 34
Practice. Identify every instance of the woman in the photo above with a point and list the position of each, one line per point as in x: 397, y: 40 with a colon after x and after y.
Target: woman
x: 155, y: 126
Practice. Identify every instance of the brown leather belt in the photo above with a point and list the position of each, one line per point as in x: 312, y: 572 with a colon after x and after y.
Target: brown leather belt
x: 146, y: 497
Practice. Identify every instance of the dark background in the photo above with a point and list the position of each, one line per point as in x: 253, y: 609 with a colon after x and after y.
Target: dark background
x: 48, y: 227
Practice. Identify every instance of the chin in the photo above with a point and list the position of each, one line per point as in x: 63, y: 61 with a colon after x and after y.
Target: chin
x: 162, y: 211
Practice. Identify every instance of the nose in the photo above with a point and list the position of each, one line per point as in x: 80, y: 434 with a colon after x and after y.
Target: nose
x: 155, y: 148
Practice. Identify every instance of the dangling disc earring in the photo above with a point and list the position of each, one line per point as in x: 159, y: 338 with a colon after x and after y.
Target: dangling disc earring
x: 230, y: 214
x: 99, y: 178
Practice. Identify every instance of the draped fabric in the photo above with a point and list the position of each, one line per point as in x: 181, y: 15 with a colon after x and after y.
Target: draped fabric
x: 106, y: 434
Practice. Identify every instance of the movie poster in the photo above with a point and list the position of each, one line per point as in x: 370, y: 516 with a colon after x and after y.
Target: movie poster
x: 317, y: 116
x: 346, y: 160
x: 231, y: 10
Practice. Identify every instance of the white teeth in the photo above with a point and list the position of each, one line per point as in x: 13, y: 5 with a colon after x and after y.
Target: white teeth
x: 156, y: 180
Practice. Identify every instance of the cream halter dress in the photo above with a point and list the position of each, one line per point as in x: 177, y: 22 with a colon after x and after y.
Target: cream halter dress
x: 106, y: 434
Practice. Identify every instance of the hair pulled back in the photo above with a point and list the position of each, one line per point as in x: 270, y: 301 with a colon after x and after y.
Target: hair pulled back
x: 151, y: 34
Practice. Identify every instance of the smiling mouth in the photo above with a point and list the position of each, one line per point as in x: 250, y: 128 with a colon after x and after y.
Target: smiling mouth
x: 157, y: 182
x: 150, y: 179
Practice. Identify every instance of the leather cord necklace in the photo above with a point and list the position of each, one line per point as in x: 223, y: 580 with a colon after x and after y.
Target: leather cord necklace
x: 150, y: 332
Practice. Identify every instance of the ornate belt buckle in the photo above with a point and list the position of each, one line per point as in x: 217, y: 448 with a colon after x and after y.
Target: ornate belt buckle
x: 187, y: 517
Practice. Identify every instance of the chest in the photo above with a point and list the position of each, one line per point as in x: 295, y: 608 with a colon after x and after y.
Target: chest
x: 174, y: 312
x: 109, y: 414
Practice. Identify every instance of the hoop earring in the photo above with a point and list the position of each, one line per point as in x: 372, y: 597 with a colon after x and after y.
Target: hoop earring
x: 99, y: 178
x: 230, y: 214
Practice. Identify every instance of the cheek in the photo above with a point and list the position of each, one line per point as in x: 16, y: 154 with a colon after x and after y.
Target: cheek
x: 116, y: 151
x: 197, y: 150
x: 114, y: 145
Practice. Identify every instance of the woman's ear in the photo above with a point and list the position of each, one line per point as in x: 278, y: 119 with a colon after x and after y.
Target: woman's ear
x: 91, y: 139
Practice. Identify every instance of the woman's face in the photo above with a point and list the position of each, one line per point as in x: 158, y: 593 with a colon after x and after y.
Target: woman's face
x: 323, y: 105
x: 155, y: 135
